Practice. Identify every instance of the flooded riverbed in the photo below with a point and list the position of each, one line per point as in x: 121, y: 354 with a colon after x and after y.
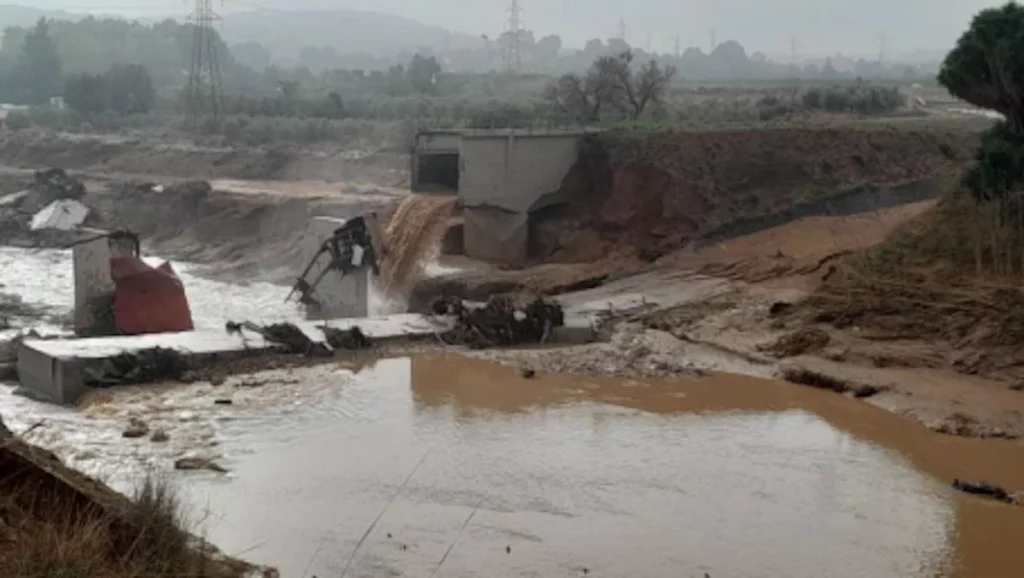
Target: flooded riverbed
x: 443, y: 466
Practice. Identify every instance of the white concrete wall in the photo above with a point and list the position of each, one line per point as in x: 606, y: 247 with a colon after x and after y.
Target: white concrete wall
x: 93, y: 283
x: 514, y: 171
x: 339, y: 296
x: 438, y: 142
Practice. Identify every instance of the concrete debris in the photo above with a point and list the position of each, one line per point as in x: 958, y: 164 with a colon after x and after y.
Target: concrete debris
x: 986, y: 489
x: 62, y: 215
x: 499, y: 322
x: 144, y: 366
x: 289, y: 335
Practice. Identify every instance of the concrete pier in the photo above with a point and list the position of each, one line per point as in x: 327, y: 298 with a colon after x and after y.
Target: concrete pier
x: 338, y: 295
x: 58, y: 369
x: 94, y: 287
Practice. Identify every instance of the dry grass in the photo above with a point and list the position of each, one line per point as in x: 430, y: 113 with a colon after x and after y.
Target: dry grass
x: 954, y: 274
x: 53, y: 524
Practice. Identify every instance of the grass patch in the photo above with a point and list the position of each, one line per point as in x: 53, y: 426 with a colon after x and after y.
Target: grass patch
x: 55, y: 523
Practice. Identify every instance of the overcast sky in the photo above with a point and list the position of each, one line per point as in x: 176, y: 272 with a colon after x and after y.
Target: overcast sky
x: 821, y: 26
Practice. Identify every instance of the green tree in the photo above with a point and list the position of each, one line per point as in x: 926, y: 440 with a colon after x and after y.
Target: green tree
x: 87, y: 93
x: 131, y: 89
x: 38, y: 65
x: 986, y: 68
x: 423, y: 74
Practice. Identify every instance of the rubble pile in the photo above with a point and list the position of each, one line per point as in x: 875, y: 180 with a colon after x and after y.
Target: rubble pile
x: 290, y: 336
x: 499, y: 322
x: 352, y: 339
x: 45, y: 214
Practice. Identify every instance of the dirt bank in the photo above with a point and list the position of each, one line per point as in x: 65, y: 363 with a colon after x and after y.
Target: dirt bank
x: 643, y: 197
x: 655, y: 193
x: 381, y: 160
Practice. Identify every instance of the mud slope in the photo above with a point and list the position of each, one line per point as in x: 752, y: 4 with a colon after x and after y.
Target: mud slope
x: 657, y: 192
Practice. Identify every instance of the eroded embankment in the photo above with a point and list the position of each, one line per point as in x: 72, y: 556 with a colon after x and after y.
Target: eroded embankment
x: 655, y: 193
x: 245, y: 236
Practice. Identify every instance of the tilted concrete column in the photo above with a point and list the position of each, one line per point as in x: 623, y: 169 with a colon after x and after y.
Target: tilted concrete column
x: 94, y: 287
x: 337, y: 296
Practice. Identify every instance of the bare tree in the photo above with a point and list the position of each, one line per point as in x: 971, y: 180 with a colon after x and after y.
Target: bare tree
x: 611, y: 84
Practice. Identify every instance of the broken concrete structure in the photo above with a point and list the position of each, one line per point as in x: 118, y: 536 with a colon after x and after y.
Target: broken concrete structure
x: 338, y: 294
x: 94, y: 285
x: 500, y: 177
x: 61, y: 369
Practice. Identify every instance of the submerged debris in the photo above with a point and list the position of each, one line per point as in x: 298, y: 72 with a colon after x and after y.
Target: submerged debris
x: 985, y: 489
x: 143, y: 366
x: 293, y: 338
x: 498, y: 322
x: 193, y: 464
x: 352, y: 338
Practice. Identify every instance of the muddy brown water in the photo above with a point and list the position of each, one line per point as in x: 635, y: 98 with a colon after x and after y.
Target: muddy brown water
x: 444, y: 466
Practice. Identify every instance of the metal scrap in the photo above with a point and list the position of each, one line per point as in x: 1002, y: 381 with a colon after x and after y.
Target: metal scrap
x: 498, y: 322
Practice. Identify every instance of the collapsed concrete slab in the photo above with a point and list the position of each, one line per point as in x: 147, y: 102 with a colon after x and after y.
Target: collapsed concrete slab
x: 61, y: 369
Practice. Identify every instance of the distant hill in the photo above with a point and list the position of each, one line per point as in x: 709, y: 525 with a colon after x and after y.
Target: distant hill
x: 26, y: 16
x: 286, y: 32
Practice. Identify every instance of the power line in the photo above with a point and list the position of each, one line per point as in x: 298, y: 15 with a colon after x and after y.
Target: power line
x: 204, y: 94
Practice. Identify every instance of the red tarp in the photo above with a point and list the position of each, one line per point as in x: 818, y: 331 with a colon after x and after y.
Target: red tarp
x: 148, y: 300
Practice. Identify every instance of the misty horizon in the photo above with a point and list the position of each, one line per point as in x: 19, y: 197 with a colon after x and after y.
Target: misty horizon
x: 826, y: 27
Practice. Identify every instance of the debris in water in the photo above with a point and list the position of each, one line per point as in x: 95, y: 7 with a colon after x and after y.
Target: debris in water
x: 529, y: 374
x: 136, y: 429
x: 499, y: 322
x: 143, y: 366
x: 986, y: 489
x: 352, y: 339
x: 160, y: 436
x: 223, y: 402
x: 289, y: 335
x: 193, y: 464
x: 508, y: 549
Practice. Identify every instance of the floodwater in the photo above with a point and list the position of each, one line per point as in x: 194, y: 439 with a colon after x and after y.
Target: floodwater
x: 446, y: 466
x: 44, y: 278
x: 472, y: 472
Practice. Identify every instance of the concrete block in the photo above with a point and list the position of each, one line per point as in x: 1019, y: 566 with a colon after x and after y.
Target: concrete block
x: 337, y: 296
x: 94, y: 287
x: 57, y: 368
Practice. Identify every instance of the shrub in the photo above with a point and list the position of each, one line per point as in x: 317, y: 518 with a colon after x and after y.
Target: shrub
x: 17, y: 120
